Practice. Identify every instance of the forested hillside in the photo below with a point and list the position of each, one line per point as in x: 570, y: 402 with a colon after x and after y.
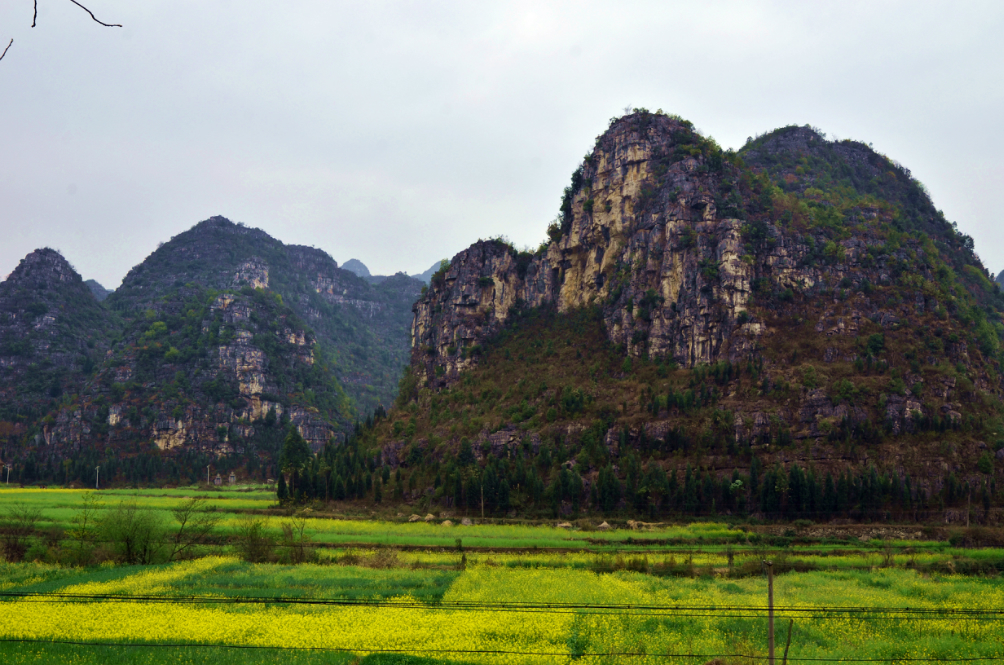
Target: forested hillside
x: 793, y: 329
x: 210, y: 350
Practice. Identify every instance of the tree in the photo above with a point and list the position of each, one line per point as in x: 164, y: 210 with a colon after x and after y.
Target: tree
x: 295, y: 454
x: 253, y: 540
x: 84, y: 524
x: 295, y: 538
x: 34, y: 20
x: 281, y: 492
x: 986, y: 464
x: 195, y: 524
x: 609, y: 489
x: 135, y: 533
x: 20, y: 521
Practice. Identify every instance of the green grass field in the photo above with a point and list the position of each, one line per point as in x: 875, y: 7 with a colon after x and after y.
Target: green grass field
x: 399, y: 592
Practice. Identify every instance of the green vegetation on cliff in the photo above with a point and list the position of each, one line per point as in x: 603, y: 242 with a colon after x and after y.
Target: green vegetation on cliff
x: 793, y: 330
x: 214, y: 346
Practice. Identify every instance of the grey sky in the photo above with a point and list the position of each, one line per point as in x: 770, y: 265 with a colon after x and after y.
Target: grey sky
x: 399, y: 133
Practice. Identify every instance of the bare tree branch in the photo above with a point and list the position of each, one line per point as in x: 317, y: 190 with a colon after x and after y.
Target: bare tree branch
x: 107, y: 25
x: 34, y: 20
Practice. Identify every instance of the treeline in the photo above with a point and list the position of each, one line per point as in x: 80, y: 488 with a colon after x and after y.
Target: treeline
x: 533, y: 481
x: 146, y: 468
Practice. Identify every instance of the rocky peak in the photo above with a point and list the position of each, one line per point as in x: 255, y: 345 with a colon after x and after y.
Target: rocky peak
x: 42, y: 269
x: 672, y: 239
x: 52, y: 329
x: 649, y: 232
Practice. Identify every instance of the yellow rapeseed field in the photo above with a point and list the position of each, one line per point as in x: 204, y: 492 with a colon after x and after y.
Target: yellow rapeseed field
x: 532, y: 637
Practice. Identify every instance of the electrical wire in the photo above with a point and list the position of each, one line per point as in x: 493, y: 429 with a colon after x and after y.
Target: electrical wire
x: 619, y: 609
x: 499, y: 652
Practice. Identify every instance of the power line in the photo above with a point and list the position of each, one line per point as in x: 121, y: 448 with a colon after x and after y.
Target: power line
x: 620, y: 609
x: 501, y: 652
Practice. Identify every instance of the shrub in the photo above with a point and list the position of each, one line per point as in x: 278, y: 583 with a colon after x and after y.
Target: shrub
x: 554, y: 231
x: 688, y: 238
x: 254, y: 543
x: 19, y: 524
x: 438, y: 278
x: 135, y: 534
x: 709, y: 269
x: 876, y: 344
x: 986, y: 463
x: 844, y: 391
x: 296, y: 540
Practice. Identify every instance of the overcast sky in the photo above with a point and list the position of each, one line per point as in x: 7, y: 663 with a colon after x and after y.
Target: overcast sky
x: 399, y: 133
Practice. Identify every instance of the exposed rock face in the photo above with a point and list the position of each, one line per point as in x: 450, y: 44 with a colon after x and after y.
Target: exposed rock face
x: 360, y: 320
x: 247, y: 351
x: 674, y: 246
x: 645, y: 241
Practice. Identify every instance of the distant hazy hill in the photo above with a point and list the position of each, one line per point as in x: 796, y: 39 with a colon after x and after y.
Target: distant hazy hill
x: 99, y: 291
x: 1000, y: 278
x: 427, y: 275
x: 358, y: 267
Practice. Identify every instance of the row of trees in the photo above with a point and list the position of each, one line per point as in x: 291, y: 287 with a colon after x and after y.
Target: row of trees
x: 527, y: 482
x: 146, y: 467
x: 131, y: 534
x: 127, y: 533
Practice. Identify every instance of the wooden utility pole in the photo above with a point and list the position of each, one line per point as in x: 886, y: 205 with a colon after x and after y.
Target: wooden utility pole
x: 97, y: 476
x: 770, y: 611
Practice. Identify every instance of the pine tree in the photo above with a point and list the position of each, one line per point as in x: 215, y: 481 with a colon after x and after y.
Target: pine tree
x: 829, y: 496
x: 281, y: 492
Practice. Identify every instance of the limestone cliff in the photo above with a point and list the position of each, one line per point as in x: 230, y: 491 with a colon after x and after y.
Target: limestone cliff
x: 643, y: 238
x: 798, y: 304
x: 674, y: 243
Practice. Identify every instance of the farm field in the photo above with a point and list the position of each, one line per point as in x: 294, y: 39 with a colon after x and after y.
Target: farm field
x: 333, y: 535
x: 397, y: 592
x: 484, y: 613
